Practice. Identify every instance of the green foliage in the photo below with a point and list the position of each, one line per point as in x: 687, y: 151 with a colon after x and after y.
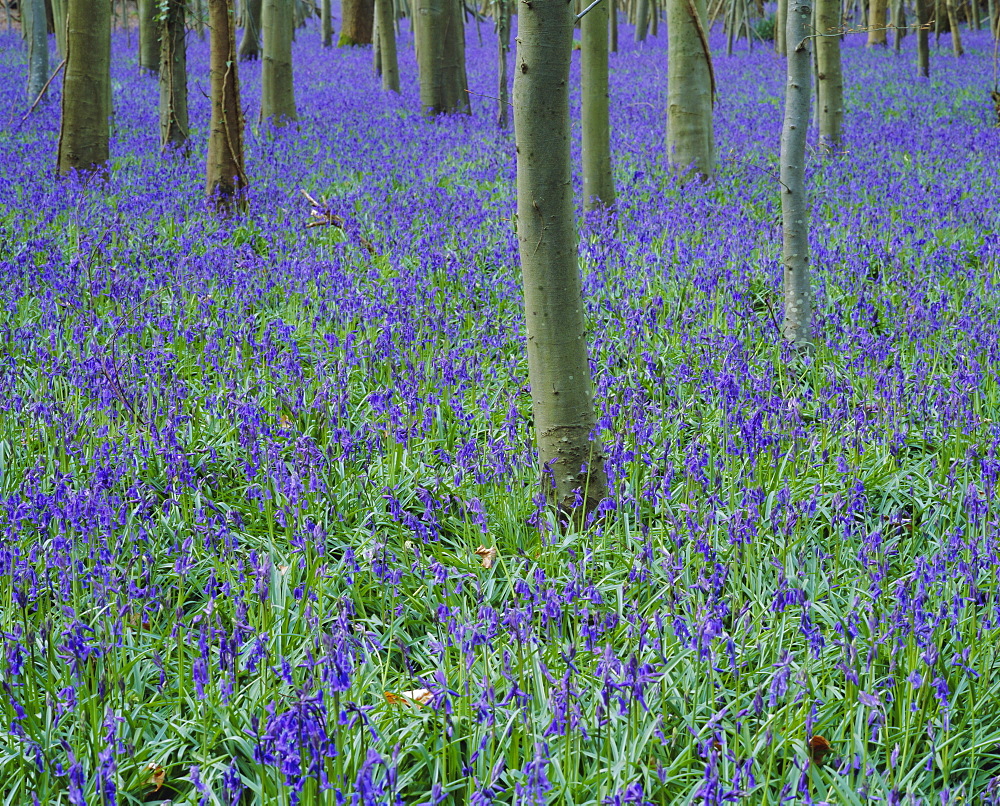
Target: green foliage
x: 763, y: 28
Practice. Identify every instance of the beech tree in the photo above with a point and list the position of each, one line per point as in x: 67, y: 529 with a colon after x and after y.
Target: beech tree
x: 326, y: 23
x: 357, y: 22
x: 690, y: 90
x: 173, y: 76
x: 250, y: 42
x: 387, y: 45
x: 923, y: 39
x: 562, y: 402
x: 277, y: 98
x: 501, y: 10
x: 876, y: 23
x: 225, y: 178
x: 794, y: 204
x: 86, y: 95
x: 439, y: 36
x: 598, y: 184
x: 830, y: 81
x: 36, y: 37
x: 149, y: 37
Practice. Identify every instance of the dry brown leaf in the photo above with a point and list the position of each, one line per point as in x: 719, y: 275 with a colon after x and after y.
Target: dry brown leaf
x: 418, y: 697
x: 157, y: 775
x: 488, y: 555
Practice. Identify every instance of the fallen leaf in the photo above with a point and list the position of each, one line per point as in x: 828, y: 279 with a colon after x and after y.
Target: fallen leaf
x: 157, y: 776
x: 418, y: 697
x: 488, y: 555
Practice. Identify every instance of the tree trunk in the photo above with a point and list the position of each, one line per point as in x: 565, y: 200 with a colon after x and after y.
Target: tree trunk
x: 503, y: 48
x: 225, y: 178
x: 794, y: 204
x: 277, y: 95
x: 690, y: 90
x: 613, y: 33
x: 36, y: 33
x: 250, y: 41
x: 198, y: 7
x: 326, y: 23
x: 898, y: 17
x: 598, y: 184
x: 571, y: 458
x: 59, y: 9
x: 173, y: 78
x: 357, y: 21
x: 149, y: 37
x: 387, y: 45
x: 830, y: 81
x: 923, y: 37
x: 440, y: 43
x: 86, y: 95
x: 780, y: 25
x: 641, y: 19
x: 956, y: 36
x: 876, y: 23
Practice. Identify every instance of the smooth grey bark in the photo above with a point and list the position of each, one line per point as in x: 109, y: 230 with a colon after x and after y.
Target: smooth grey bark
x: 829, y: 75
x: 173, y: 77
x: 897, y: 15
x: 780, y: 26
x: 876, y: 23
x: 502, y: 10
x: 86, y: 95
x: 59, y: 13
x: 794, y: 204
x: 250, y: 41
x: 387, y: 45
x: 613, y: 32
x: 36, y: 34
x: 641, y: 19
x: 923, y: 37
x: 572, y: 460
x: 326, y: 23
x: 690, y: 90
x: 277, y: 95
x: 439, y: 38
x: 149, y: 37
x: 598, y: 184
x: 198, y: 9
x: 956, y: 36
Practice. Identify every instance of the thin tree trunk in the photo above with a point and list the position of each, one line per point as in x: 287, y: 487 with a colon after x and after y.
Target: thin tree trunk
x: 780, y: 26
x: 641, y: 19
x: 250, y: 41
x: 956, y: 36
x: 923, y: 36
x: 225, y: 178
x: 149, y: 37
x: 357, y: 22
x: 277, y: 95
x: 326, y: 23
x: 571, y: 458
x: 86, y: 95
x: 830, y: 80
x: 59, y: 13
x: 173, y: 78
x: 387, y: 45
x: 876, y: 23
x: 654, y: 18
x: 198, y: 9
x: 898, y: 24
x: 690, y: 90
x: 613, y: 43
x: 440, y: 42
x: 794, y: 203
x: 503, y: 48
x: 34, y: 21
x: 598, y: 184
x: 991, y: 10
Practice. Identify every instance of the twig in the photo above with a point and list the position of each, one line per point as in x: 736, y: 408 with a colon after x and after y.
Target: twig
x: 41, y: 94
x: 583, y: 13
x: 492, y: 97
